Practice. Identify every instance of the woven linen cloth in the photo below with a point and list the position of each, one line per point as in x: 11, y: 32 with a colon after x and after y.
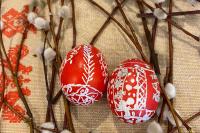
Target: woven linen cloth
x: 116, y: 47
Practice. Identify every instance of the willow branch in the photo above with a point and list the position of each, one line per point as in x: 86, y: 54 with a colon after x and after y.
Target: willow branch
x: 173, y: 14
x: 174, y: 23
x: 60, y: 25
x: 58, y: 57
x: 57, y: 97
x: 15, y: 74
x: 153, y: 55
x: 170, y: 74
x: 131, y: 29
x: 168, y: 101
x: 3, y: 80
x: 51, y: 24
x: 187, y: 121
x: 105, y: 24
x: 68, y: 119
x: 73, y: 23
x: 138, y: 47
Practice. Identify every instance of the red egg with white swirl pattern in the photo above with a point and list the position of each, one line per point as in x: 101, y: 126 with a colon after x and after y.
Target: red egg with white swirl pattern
x: 133, y: 91
x: 83, y: 75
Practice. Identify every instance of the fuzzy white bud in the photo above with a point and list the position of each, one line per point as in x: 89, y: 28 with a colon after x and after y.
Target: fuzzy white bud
x: 31, y: 17
x: 158, y: 1
x: 159, y: 14
x: 47, y: 125
x: 1, y: 25
x: 171, y: 118
x: 49, y: 54
x: 41, y: 23
x: 65, y: 12
x: 170, y: 90
x: 65, y: 131
x: 154, y: 127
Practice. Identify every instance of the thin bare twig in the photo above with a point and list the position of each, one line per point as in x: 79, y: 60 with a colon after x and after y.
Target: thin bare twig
x: 15, y: 73
x: 105, y: 24
x: 187, y: 120
x: 131, y: 28
x: 57, y: 97
x: 73, y: 23
x: 139, y: 48
x: 150, y: 15
x: 153, y: 55
x: 173, y: 22
x: 167, y: 100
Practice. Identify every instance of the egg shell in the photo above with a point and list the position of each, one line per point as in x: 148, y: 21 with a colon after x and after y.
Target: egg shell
x: 133, y: 91
x: 83, y: 75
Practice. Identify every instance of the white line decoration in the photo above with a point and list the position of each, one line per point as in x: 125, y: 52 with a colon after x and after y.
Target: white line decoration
x: 104, y: 67
x: 156, y: 95
x: 131, y: 93
x: 84, y: 63
x: 89, y: 64
x: 84, y: 94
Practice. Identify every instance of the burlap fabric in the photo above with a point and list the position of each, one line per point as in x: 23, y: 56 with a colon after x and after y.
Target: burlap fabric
x: 116, y: 47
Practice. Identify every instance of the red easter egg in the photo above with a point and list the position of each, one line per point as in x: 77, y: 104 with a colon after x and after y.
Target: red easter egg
x: 133, y: 91
x: 83, y: 75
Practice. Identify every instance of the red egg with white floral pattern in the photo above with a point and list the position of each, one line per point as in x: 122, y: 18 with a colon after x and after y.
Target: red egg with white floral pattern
x: 83, y: 75
x: 133, y: 91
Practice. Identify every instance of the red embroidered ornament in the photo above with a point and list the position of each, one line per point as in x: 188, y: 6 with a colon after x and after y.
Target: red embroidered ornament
x: 83, y: 75
x: 133, y: 91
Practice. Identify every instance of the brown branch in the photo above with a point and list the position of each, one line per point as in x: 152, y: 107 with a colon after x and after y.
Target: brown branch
x: 184, y: 123
x: 16, y: 112
x: 139, y: 48
x: 49, y: 108
x: 59, y: 59
x: 67, y: 110
x: 171, y: 49
x: 147, y: 5
x: 25, y: 119
x: 154, y: 31
x: 60, y: 25
x: 15, y: 74
x: 105, y: 24
x: 153, y: 55
x: 57, y: 97
x: 161, y: 112
x: 49, y: 98
x: 187, y: 121
x: 184, y: 30
x: 131, y: 28
x: 73, y: 23
x: 171, y: 108
x: 150, y: 15
x: 3, y: 80
x: 44, y: 64
x: 67, y: 118
x: 51, y: 24
x: 167, y: 100
x: 174, y: 23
